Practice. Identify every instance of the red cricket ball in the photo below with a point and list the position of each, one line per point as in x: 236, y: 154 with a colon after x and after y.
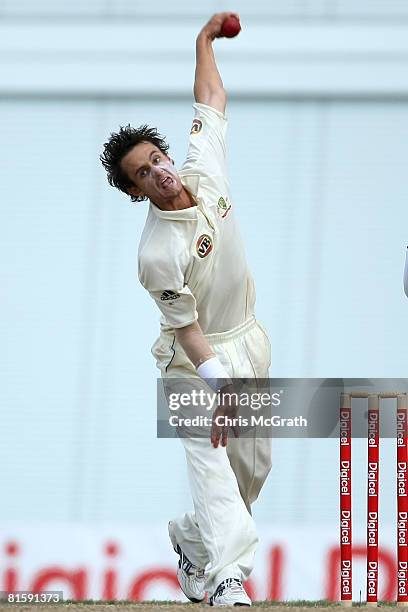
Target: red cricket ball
x: 230, y: 27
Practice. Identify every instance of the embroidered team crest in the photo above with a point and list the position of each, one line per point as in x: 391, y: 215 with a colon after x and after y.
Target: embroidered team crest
x: 223, y: 207
x: 196, y: 127
x: 204, y: 245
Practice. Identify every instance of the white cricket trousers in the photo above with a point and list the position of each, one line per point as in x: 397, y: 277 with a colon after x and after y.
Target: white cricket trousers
x: 220, y: 534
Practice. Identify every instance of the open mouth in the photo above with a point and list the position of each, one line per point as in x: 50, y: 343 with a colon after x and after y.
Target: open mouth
x: 166, y: 182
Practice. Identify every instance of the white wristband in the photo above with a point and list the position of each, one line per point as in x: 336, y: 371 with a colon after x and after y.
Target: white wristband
x: 211, y: 371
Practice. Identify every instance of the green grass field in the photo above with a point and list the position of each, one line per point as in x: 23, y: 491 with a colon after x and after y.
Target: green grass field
x: 176, y: 606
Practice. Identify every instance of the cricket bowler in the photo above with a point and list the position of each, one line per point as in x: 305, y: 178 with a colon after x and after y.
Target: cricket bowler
x: 192, y: 262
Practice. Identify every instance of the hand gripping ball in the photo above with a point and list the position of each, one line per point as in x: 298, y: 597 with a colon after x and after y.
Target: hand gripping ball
x: 230, y: 27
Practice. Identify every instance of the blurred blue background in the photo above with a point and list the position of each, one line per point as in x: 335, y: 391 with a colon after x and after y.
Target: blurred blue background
x: 317, y: 147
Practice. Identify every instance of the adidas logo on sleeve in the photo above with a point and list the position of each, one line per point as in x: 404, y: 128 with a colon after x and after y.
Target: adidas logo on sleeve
x: 169, y: 295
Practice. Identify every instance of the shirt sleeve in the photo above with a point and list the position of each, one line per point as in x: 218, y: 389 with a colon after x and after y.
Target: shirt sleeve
x: 207, y: 146
x: 164, y: 280
x: 177, y: 307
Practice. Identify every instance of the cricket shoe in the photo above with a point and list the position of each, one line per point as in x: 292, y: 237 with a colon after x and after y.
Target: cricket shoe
x: 191, y: 578
x: 230, y: 593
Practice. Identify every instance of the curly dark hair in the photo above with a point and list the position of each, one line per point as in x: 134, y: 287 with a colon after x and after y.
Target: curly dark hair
x: 118, y: 145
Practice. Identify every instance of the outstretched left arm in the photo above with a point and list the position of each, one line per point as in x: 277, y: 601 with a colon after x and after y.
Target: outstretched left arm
x: 208, y: 85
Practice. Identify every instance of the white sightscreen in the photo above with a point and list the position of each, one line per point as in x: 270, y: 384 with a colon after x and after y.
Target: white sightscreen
x: 185, y: 10
x: 320, y: 190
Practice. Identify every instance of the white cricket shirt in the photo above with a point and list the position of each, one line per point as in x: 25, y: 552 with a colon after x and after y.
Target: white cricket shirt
x: 192, y: 261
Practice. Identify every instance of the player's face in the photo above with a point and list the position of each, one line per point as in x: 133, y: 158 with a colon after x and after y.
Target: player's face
x: 152, y: 173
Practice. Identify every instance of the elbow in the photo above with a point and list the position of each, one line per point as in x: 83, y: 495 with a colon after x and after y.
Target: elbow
x: 184, y: 332
x: 216, y: 97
